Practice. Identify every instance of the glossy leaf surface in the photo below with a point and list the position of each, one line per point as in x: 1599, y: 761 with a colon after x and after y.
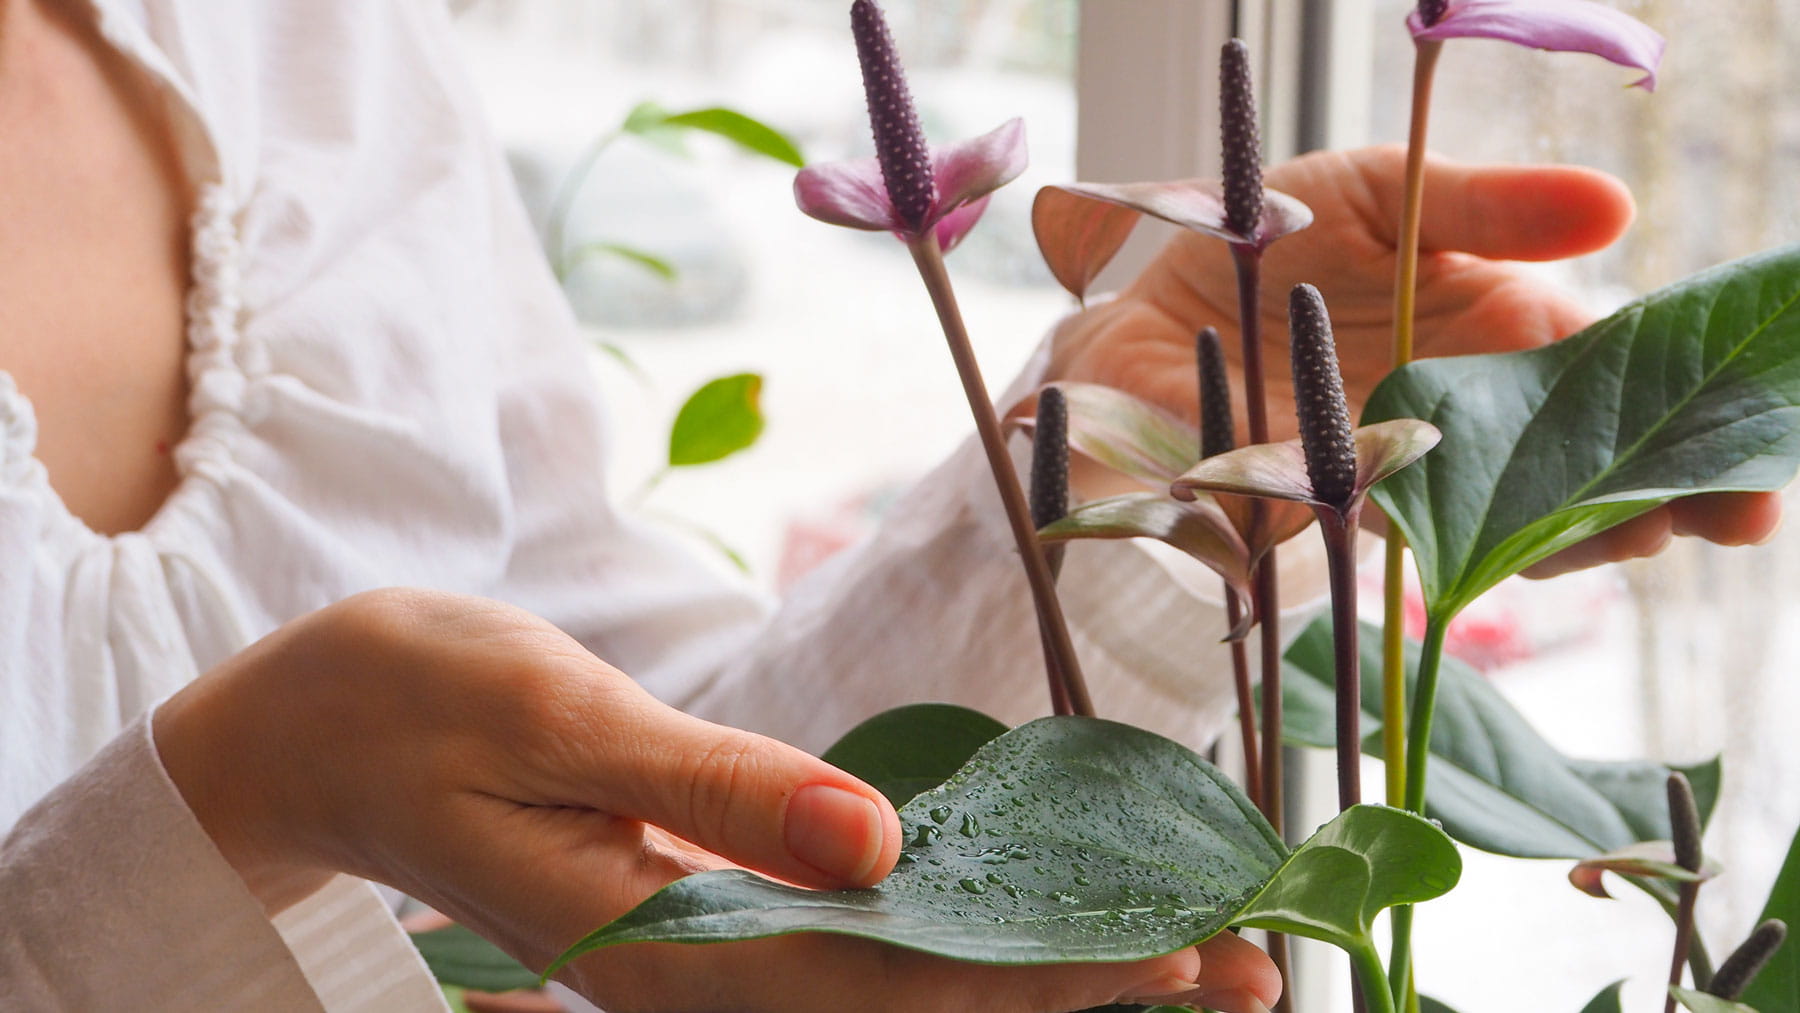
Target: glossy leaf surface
x: 458, y: 956
x: 1495, y: 783
x: 1777, y: 988
x: 1066, y: 839
x: 1692, y: 389
x: 911, y: 749
x: 721, y: 418
x: 1366, y: 860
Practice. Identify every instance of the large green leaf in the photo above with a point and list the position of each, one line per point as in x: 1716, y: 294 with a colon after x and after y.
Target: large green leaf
x: 1692, y: 389
x: 721, y: 418
x: 1607, y: 1001
x: 1495, y: 783
x: 907, y: 750
x: 1777, y: 988
x: 1066, y: 839
x: 457, y: 956
x: 1366, y: 860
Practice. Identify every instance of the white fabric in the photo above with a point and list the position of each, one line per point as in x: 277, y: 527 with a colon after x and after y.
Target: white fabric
x: 388, y: 390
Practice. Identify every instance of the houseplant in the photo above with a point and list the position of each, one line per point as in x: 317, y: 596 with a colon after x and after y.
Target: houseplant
x: 1022, y: 855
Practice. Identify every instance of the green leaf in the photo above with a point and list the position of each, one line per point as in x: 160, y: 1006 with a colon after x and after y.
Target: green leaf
x: 648, y: 261
x: 1429, y: 1005
x: 721, y: 418
x: 752, y: 135
x: 907, y: 750
x: 1777, y: 988
x: 1366, y: 860
x: 1607, y: 1001
x: 1495, y: 783
x: 1066, y: 839
x: 457, y: 956
x: 1692, y: 389
x: 1700, y: 1002
x: 650, y: 122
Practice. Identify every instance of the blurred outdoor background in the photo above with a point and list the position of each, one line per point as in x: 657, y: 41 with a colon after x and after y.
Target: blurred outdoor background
x: 1677, y: 658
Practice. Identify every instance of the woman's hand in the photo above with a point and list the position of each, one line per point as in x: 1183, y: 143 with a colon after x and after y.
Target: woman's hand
x: 478, y: 759
x: 1469, y: 300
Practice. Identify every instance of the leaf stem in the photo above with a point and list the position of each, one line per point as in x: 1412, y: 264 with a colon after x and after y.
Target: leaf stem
x: 1339, y: 530
x: 557, y: 225
x: 1393, y: 612
x: 1418, y: 753
x: 1060, y: 663
x: 1371, y: 978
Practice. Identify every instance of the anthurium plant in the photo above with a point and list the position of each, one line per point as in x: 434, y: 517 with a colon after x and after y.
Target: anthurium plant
x: 1072, y: 838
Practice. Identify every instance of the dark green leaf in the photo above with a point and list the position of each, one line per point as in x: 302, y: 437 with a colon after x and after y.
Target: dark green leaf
x: 1607, y: 1001
x: 648, y: 261
x: 750, y: 134
x: 721, y: 418
x: 1777, y: 988
x: 457, y: 956
x: 1066, y: 839
x: 1429, y: 1005
x: 1366, y: 860
x: 1495, y: 783
x: 1700, y: 1002
x: 911, y: 749
x: 1691, y: 389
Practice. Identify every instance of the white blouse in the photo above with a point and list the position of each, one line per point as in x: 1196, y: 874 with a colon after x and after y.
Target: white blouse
x: 389, y: 390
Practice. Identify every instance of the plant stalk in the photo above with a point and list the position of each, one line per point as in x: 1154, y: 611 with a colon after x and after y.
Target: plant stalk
x: 1371, y: 980
x: 1339, y: 530
x: 1393, y: 610
x: 1265, y: 589
x: 1684, y: 935
x: 1418, y: 753
x: 1060, y: 662
x: 1240, y: 673
x: 556, y: 226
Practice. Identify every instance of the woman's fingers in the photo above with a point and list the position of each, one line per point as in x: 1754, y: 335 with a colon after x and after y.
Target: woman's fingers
x: 756, y: 801
x: 1733, y: 518
x: 1525, y: 212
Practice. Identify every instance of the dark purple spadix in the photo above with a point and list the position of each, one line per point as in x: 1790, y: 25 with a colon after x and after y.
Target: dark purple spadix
x: 1433, y: 11
x: 1241, y: 140
x: 1218, y: 431
x: 1319, y: 400
x: 1050, y: 459
x: 1742, y: 967
x: 899, y: 143
x: 1684, y: 823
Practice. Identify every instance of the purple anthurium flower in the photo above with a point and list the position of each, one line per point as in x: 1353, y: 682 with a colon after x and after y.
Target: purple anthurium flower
x: 853, y: 193
x: 1570, y: 26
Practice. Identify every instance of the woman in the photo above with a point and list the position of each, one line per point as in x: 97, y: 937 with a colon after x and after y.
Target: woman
x: 353, y: 371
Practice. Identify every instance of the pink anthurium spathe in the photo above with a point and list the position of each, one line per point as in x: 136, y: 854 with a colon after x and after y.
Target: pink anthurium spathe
x: 853, y: 193
x: 1569, y: 26
x: 1278, y: 470
x: 1079, y: 226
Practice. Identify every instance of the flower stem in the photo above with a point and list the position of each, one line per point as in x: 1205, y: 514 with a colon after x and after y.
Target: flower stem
x: 1684, y: 935
x: 1240, y: 674
x: 557, y: 225
x: 1060, y: 663
x: 1339, y: 530
x: 1393, y: 627
x: 1265, y: 588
